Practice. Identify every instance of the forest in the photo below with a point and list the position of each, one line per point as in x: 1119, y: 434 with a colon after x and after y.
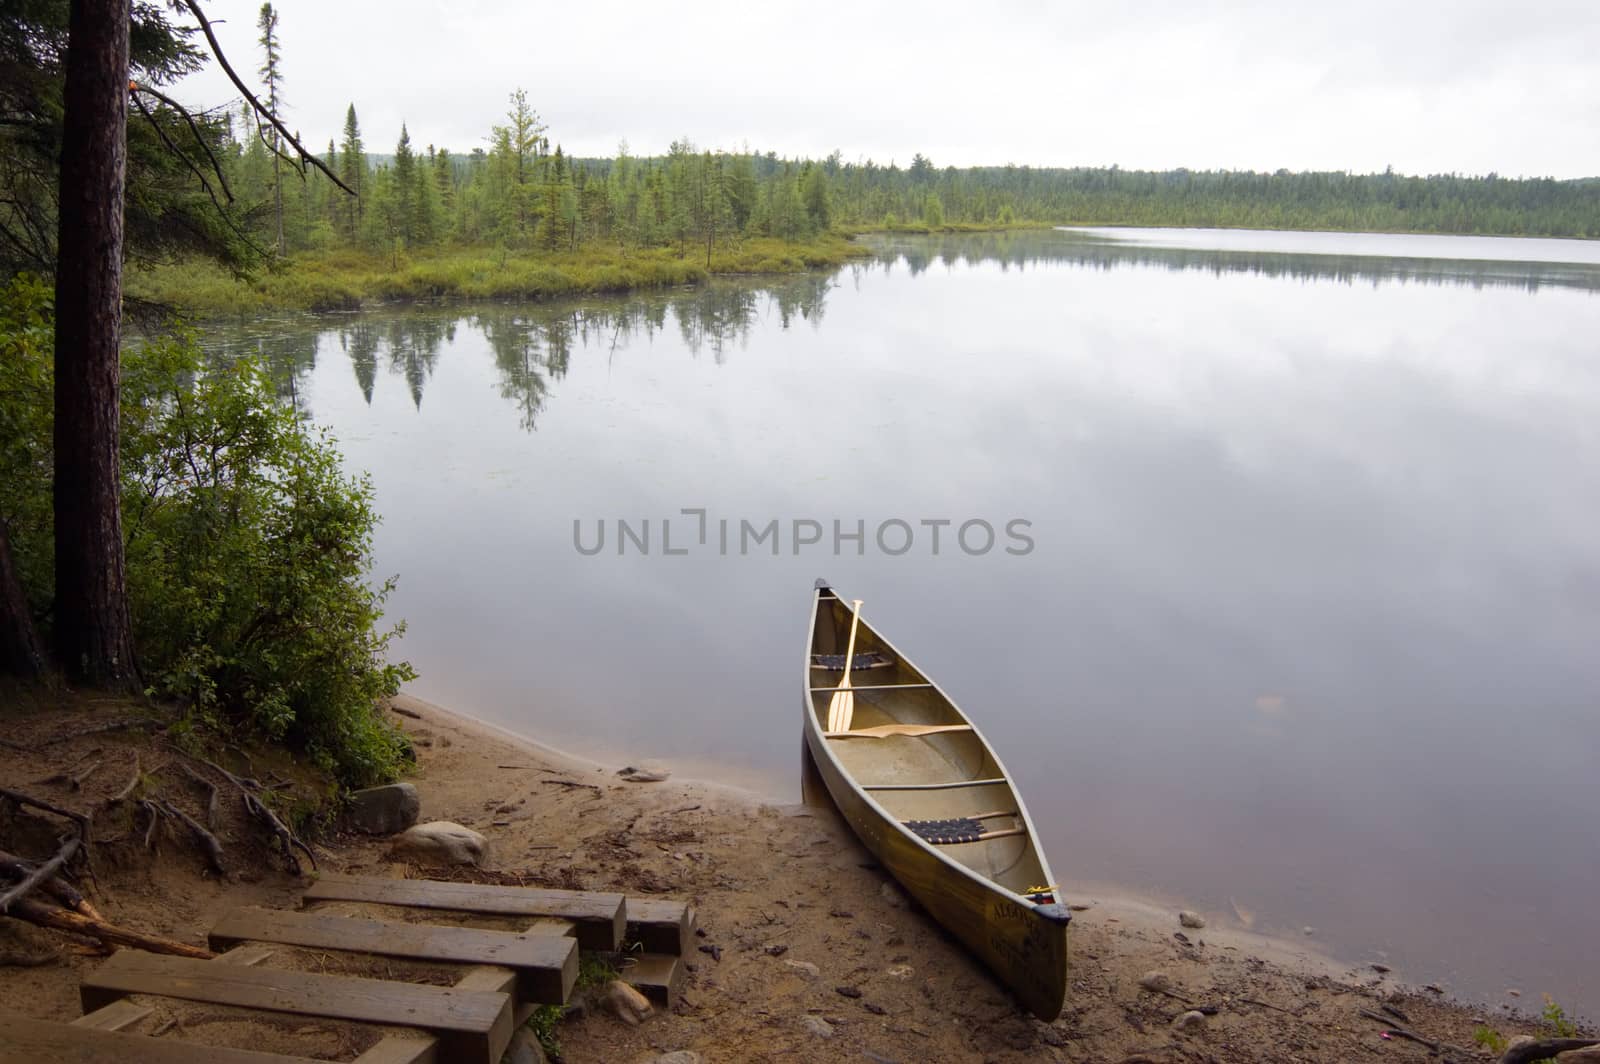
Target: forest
x: 518, y: 192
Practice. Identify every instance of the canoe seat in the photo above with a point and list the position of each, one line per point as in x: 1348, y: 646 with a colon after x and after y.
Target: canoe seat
x: 959, y: 829
x: 835, y: 662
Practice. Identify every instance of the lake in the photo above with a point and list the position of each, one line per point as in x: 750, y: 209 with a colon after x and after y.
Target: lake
x: 1287, y: 605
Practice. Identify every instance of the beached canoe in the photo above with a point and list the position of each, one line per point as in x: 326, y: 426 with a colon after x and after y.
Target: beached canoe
x: 926, y: 794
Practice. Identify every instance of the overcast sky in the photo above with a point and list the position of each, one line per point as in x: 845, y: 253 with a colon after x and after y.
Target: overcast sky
x: 1466, y: 86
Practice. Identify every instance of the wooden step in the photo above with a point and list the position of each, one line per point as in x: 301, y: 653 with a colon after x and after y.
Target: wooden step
x: 470, y: 1025
x: 546, y: 965
x: 42, y: 1042
x: 661, y: 925
x: 600, y: 918
x: 658, y: 976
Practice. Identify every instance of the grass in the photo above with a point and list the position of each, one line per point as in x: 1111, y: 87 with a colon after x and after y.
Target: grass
x: 1555, y: 1020
x: 593, y: 971
x: 343, y: 280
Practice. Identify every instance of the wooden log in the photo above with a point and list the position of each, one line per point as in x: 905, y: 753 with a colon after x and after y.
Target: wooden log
x: 42, y: 1042
x: 470, y: 1025
x: 600, y: 919
x: 37, y: 912
x: 545, y: 966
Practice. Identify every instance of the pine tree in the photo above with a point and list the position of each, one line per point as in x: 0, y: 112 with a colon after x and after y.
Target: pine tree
x: 520, y: 145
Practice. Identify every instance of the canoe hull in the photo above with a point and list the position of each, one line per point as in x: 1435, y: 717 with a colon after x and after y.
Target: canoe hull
x: 1025, y: 946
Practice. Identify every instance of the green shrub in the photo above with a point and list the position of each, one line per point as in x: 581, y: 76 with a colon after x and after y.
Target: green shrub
x: 247, y: 548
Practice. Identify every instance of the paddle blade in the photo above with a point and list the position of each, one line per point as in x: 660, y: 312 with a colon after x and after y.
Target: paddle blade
x: 841, y: 710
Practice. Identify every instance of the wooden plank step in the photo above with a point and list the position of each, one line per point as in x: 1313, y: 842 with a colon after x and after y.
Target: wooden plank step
x: 115, y: 1016
x: 546, y: 965
x: 661, y: 924
x: 658, y: 976
x: 600, y: 918
x: 469, y: 1025
x: 120, y: 1014
x: 42, y: 1042
x: 400, y: 1050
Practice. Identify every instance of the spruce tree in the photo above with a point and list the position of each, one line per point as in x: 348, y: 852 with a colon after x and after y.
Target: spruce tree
x: 353, y: 174
x: 272, y: 78
x: 405, y: 187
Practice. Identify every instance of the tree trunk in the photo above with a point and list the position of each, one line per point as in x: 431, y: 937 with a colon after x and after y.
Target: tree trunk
x: 20, y: 653
x: 92, y: 636
x: 277, y: 190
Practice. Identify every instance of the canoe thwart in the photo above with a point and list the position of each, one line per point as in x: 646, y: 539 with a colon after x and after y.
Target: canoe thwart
x: 835, y: 662
x: 883, y: 731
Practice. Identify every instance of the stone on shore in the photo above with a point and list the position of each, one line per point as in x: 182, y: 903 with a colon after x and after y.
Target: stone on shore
x: 1156, y: 981
x: 644, y: 772
x: 1191, y: 919
x: 629, y: 1005
x: 525, y: 1049
x: 816, y: 1025
x: 1193, y: 1020
x: 384, y: 810
x: 442, y: 842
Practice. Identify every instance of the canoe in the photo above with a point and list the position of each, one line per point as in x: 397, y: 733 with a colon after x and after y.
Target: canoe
x: 924, y: 791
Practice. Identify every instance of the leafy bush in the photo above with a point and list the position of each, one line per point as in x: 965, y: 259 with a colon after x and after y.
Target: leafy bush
x: 247, y: 549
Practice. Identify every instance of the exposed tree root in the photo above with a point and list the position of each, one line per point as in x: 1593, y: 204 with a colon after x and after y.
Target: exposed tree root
x: 70, y: 845
x: 16, y: 868
x: 208, y: 841
x: 248, y: 789
x: 36, y: 878
x: 133, y: 781
x: 211, y: 800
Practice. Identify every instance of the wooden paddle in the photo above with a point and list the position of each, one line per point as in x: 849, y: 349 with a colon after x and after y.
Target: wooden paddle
x: 842, y: 706
x: 884, y: 731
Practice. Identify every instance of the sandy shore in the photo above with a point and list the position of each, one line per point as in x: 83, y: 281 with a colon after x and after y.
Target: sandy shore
x: 793, y: 909
x: 809, y: 952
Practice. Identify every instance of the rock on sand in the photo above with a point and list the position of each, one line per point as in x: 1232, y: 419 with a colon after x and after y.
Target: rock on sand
x: 442, y: 842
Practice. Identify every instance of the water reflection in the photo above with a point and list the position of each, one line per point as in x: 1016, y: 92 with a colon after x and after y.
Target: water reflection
x: 533, y: 344
x: 1095, y: 250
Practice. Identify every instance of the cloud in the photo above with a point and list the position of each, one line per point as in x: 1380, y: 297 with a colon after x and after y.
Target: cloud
x: 1426, y: 87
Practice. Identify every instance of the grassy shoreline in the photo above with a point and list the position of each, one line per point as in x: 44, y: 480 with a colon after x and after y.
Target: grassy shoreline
x: 348, y: 280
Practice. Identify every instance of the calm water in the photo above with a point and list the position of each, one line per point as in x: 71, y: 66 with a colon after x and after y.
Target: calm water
x: 1308, y: 621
